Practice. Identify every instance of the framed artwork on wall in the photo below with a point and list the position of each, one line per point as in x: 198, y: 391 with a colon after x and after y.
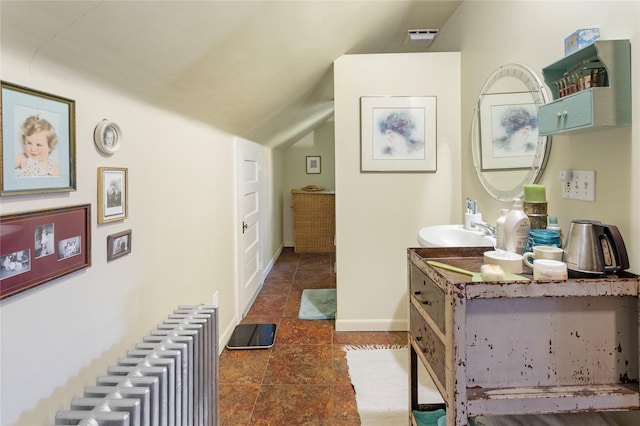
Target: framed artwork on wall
x: 38, y: 148
x: 39, y: 246
x: 118, y: 244
x: 398, y: 134
x: 313, y: 165
x: 509, y: 131
x: 108, y: 137
x: 112, y: 194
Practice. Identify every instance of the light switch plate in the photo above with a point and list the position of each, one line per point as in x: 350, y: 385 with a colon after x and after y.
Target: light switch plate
x: 581, y: 186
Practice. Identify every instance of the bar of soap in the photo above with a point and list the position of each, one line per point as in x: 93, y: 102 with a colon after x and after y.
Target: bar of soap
x: 492, y: 273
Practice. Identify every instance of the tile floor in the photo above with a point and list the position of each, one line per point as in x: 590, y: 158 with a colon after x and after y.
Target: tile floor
x: 303, y: 379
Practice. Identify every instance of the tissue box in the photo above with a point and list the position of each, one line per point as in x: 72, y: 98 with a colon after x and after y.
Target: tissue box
x: 579, y: 39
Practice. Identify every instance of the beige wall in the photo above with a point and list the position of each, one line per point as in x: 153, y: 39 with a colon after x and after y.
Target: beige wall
x: 59, y: 337
x: 532, y: 33
x: 319, y: 142
x: 273, y: 165
x: 378, y: 214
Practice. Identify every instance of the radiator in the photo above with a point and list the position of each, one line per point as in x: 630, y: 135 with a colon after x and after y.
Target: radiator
x: 169, y: 379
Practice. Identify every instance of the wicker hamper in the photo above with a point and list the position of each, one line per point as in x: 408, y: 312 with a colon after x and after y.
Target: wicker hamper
x: 314, y: 221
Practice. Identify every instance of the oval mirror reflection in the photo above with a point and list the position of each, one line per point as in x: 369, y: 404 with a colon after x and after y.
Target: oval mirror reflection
x: 508, y: 152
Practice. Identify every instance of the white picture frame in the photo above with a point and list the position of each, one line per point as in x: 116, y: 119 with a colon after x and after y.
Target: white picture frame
x: 398, y: 134
x: 313, y: 165
x: 107, y: 137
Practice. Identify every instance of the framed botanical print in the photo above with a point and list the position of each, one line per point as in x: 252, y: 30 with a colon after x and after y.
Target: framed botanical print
x: 38, y: 147
x: 112, y: 194
x: 313, y: 165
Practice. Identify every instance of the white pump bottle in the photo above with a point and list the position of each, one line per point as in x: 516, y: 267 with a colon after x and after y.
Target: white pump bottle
x: 516, y: 228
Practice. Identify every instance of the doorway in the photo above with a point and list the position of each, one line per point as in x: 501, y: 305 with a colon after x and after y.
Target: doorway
x: 249, y: 179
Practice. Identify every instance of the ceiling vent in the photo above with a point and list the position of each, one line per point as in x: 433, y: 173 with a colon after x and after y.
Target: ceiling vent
x: 420, y: 37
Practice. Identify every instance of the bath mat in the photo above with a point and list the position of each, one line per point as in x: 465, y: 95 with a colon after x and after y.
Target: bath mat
x: 318, y: 304
x: 380, y: 376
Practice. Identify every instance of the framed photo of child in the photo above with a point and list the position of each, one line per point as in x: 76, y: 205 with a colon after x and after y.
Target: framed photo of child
x: 107, y: 137
x: 113, y: 194
x: 38, y: 142
x: 118, y: 245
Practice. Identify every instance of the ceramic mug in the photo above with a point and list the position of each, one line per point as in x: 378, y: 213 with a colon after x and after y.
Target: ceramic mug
x: 549, y: 270
x: 510, y: 263
x: 542, y: 252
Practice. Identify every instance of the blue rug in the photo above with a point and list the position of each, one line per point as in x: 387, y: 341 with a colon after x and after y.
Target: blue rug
x: 318, y: 304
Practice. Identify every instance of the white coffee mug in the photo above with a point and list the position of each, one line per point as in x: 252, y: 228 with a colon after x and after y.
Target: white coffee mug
x: 549, y: 270
x: 510, y: 263
x: 542, y: 252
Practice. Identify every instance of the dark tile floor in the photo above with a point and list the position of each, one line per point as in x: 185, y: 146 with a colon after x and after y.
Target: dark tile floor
x: 303, y: 379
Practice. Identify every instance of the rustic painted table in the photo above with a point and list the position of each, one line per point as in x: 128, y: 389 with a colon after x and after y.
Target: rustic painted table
x: 499, y: 348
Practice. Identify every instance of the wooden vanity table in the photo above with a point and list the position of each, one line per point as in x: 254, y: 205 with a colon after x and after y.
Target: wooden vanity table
x: 499, y: 348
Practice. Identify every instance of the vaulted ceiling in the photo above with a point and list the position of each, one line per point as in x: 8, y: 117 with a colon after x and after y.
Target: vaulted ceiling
x: 261, y: 70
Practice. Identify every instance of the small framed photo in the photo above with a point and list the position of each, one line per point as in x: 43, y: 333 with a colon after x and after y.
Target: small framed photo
x: 313, y: 165
x: 107, y: 137
x: 398, y: 134
x: 38, y: 143
x: 112, y: 194
x: 118, y: 245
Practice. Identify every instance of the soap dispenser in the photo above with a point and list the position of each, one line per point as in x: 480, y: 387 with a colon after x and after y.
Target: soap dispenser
x: 516, y: 228
x: 500, y: 229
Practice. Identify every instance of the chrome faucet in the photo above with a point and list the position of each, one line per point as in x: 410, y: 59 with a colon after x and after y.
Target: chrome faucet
x: 484, y: 227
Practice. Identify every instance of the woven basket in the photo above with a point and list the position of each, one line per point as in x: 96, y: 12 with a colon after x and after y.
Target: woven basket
x: 314, y: 221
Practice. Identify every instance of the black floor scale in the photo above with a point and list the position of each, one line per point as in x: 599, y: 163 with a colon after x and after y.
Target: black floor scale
x: 252, y: 336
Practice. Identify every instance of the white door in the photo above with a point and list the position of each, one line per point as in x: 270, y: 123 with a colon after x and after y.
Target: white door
x: 249, y: 183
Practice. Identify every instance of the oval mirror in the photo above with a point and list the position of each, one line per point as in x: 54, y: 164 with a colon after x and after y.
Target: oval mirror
x: 508, y: 153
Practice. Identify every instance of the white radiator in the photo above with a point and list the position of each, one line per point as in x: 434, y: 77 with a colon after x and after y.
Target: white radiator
x: 169, y: 379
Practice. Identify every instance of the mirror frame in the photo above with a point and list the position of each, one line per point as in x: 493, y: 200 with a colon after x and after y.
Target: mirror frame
x: 539, y: 96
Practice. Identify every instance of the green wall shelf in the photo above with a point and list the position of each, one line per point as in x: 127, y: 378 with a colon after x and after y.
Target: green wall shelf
x: 592, y: 108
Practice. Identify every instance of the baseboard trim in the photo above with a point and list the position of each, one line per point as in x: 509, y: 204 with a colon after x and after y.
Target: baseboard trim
x: 269, y: 266
x: 372, y: 325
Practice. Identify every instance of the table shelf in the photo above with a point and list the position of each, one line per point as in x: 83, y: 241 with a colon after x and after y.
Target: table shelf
x: 507, y: 348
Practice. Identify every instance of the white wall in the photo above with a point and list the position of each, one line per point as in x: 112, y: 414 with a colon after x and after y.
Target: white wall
x: 319, y: 142
x: 378, y: 214
x: 532, y: 33
x: 58, y: 338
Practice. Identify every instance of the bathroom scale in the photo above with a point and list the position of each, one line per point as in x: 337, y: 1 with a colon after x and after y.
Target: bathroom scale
x: 252, y: 336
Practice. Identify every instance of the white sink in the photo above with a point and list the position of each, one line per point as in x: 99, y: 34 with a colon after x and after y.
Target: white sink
x: 453, y: 236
